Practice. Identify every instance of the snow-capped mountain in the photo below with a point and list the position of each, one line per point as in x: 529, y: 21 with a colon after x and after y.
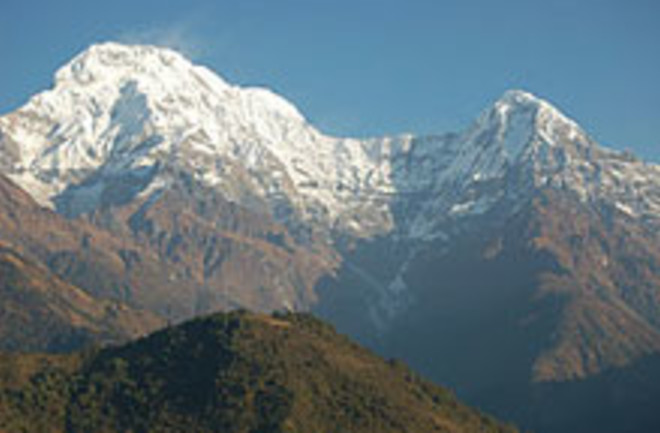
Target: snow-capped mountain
x: 523, y: 144
x: 137, y: 112
x: 185, y: 194
x: 125, y: 124
x: 134, y: 115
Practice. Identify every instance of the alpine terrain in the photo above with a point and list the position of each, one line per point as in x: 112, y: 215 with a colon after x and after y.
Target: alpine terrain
x: 517, y: 260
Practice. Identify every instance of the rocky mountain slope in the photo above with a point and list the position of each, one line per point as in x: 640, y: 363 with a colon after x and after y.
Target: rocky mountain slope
x: 40, y: 312
x: 233, y: 373
x: 176, y: 264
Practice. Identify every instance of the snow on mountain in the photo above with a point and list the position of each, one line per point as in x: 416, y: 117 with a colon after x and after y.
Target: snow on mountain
x: 522, y: 144
x: 120, y: 111
x: 141, y: 116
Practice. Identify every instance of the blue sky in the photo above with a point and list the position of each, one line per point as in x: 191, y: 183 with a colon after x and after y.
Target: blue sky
x: 368, y: 67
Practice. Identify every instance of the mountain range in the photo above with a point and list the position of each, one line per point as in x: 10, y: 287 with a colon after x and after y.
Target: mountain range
x: 512, y: 260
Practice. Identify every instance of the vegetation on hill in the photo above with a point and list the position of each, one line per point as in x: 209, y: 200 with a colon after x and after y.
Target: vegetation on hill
x: 235, y: 372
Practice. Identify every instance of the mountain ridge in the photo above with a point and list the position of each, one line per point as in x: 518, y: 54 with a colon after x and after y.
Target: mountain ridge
x: 125, y: 124
x: 136, y: 115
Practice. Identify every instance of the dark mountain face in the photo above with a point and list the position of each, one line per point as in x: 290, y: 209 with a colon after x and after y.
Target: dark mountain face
x: 515, y: 317
x: 558, y: 267
x: 233, y: 373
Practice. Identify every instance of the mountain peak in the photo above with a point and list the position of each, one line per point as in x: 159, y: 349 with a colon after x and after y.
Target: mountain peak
x: 104, y: 60
x: 519, y: 96
x: 541, y: 110
x: 162, y: 75
x: 118, y: 108
x: 112, y: 86
x: 520, y: 122
x: 545, y: 117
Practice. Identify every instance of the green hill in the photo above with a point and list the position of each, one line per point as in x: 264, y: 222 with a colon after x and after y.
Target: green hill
x: 235, y: 372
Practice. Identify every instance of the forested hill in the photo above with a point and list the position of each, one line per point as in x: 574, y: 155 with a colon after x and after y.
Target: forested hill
x: 234, y: 372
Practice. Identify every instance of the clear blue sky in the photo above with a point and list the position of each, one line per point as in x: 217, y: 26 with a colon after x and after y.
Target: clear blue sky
x: 372, y: 67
